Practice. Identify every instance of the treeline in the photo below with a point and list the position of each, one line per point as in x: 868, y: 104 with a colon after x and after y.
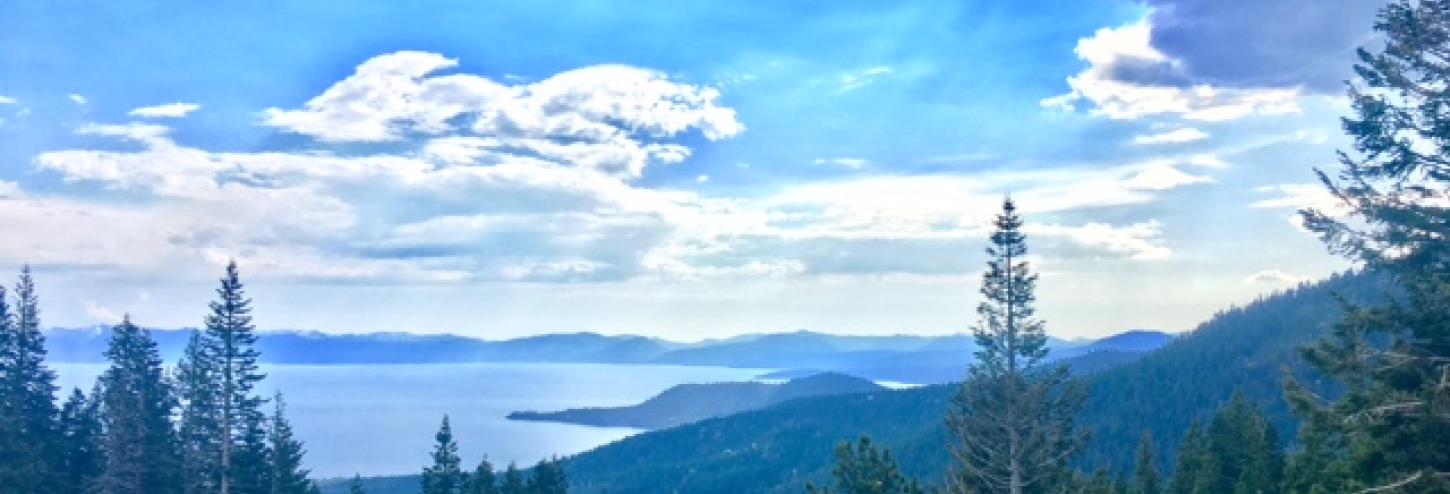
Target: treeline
x: 199, y: 429
x: 446, y: 474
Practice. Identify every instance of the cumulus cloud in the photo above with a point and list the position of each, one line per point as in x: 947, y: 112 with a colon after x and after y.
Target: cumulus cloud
x: 1301, y: 196
x: 77, y: 98
x: 615, y: 116
x: 1175, y: 136
x: 1273, y: 277
x: 1129, y: 78
x: 169, y: 110
x: 1139, y: 241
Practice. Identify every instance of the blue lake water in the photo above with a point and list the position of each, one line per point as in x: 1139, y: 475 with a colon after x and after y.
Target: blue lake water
x: 380, y: 419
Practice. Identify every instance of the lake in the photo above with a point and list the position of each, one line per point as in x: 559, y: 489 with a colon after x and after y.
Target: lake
x: 380, y: 419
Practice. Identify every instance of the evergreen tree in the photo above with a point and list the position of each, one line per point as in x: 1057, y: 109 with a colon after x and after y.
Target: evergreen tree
x: 512, y: 481
x: 1238, y: 454
x: 547, y: 477
x: 483, y: 480
x: 1146, y: 477
x: 1389, y: 429
x: 1100, y: 483
x: 288, y: 476
x: 142, y: 453
x: 229, y: 351
x: 80, y: 427
x: 28, y: 413
x: 865, y: 469
x: 356, y: 486
x: 1013, y: 416
x: 200, y: 428
x: 445, y: 476
x: 1193, y: 458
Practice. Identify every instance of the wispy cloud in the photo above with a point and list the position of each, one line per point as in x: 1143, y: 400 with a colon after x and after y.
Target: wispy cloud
x: 1175, y: 136
x: 169, y: 110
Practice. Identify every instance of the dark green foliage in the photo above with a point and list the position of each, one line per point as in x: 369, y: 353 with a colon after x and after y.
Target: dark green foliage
x: 80, y: 428
x: 28, y: 415
x: 286, y: 453
x: 512, y: 481
x: 445, y: 475
x: 1239, y: 453
x: 1013, y: 419
x: 483, y: 480
x: 228, y: 347
x: 143, y: 455
x: 200, y: 427
x: 1388, y: 430
x: 1147, y: 479
x: 864, y: 469
x: 547, y: 477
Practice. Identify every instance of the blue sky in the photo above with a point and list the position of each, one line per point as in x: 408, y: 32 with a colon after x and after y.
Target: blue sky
x: 681, y: 169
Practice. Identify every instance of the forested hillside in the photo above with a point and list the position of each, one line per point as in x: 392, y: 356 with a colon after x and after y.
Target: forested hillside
x: 780, y: 448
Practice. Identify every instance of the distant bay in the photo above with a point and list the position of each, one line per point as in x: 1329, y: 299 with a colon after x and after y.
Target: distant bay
x: 379, y: 419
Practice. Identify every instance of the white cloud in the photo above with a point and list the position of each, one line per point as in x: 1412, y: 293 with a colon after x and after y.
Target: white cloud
x: 9, y: 190
x: 1159, y: 86
x: 1139, y: 241
x: 854, y: 80
x: 1175, y: 136
x: 169, y: 110
x: 101, y: 313
x: 609, y: 117
x: 847, y: 163
x: 1275, y: 277
x: 1162, y: 177
x: 1300, y: 196
x: 6, y: 100
x: 76, y: 98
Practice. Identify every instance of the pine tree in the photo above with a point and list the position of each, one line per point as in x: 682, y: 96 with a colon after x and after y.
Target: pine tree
x: 483, y: 480
x: 27, y: 400
x: 1146, y: 477
x: 200, y: 428
x: 1013, y: 416
x: 445, y: 476
x: 1389, y: 429
x: 229, y: 351
x: 356, y: 487
x: 288, y: 476
x: 142, y: 453
x: 547, y: 477
x: 80, y: 427
x: 865, y: 469
x: 1193, y: 459
x: 512, y: 481
x: 1100, y: 483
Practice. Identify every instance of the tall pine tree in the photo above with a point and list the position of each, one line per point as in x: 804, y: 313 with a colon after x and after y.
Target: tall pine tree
x: 1239, y: 453
x: 28, y: 413
x: 142, y: 453
x: 229, y: 351
x: 80, y: 427
x: 445, y: 475
x: 512, y: 481
x: 1389, y: 429
x: 1013, y: 417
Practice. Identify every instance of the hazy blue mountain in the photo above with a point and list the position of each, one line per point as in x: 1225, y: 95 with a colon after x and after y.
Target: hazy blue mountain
x: 694, y: 402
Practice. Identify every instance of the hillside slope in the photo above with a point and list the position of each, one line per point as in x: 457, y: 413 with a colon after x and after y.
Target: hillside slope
x: 779, y: 448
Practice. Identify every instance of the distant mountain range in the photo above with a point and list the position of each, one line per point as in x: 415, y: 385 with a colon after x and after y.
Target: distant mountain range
x: 900, y: 358
x: 687, y: 403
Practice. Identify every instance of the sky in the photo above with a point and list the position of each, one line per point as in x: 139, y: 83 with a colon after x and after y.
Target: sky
x: 676, y: 169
